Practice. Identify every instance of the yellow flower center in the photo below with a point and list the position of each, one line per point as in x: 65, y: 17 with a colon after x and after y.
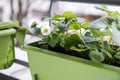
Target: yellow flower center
x: 45, y: 30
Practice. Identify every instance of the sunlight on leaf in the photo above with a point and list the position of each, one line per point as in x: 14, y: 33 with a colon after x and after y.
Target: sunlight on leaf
x: 75, y: 26
x: 104, y: 6
x: 69, y: 14
x: 57, y: 16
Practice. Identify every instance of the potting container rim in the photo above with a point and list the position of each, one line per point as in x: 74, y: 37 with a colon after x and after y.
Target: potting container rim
x: 7, y: 32
x: 72, y: 58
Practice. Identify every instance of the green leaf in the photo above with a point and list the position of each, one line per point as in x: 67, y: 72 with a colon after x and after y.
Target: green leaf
x: 85, y: 25
x: 107, y: 53
x: 54, y: 39
x: 88, y: 39
x: 88, y: 34
x: 78, y: 50
x: 44, y: 46
x: 62, y: 27
x: 107, y: 31
x: 69, y: 14
x: 75, y: 26
x: 118, y: 21
x: 91, y: 46
x: 34, y: 30
x: 71, y: 41
x: 55, y: 22
x: 62, y: 41
x: 106, y: 46
x: 117, y: 55
x: 41, y: 42
x: 115, y: 14
x: 96, y: 32
x: 104, y: 6
x: 81, y: 20
x: 45, y: 18
x: 96, y: 56
x: 81, y: 45
x: 20, y: 35
x: 115, y: 33
x: 33, y: 24
x: 57, y: 16
x: 102, y: 22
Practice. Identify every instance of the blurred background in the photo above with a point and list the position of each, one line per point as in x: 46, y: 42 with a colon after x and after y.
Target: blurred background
x: 24, y: 11
x: 27, y: 11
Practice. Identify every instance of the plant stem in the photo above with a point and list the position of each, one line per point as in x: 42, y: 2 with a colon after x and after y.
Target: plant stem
x: 83, y: 39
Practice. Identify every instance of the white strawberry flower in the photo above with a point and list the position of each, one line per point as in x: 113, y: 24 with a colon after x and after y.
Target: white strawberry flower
x: 45, y: 30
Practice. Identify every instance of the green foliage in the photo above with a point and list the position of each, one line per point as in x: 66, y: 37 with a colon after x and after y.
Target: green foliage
x: 102, y: 22
x: 118, y: 21
x: 109, y: 55
x: 115, y: 33
x: 96, y: 32
x: 115, y: 14
x: 33, y: 24
x: 71, y: 41
x: 104, y: 8
x: 54, y: 39
x: 33, y: 29
x: 89, y: 39
x: 85, y: 25
x: 74, y: 34
x: 20, y: 35
x: 75, y: 26
x: 57, y: 17
x: 62, y: 27
x: 117, y: 55
x: 69, y: 14
x: 96, y: 56
x: 110, y: 13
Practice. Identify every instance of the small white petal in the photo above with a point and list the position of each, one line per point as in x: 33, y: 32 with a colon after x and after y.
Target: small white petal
x: 45, y: 30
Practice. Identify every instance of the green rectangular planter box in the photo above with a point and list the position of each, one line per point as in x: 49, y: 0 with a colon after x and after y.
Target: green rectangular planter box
x: 49, y: 65
x: 6, y: 48
x: 7, y: 55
